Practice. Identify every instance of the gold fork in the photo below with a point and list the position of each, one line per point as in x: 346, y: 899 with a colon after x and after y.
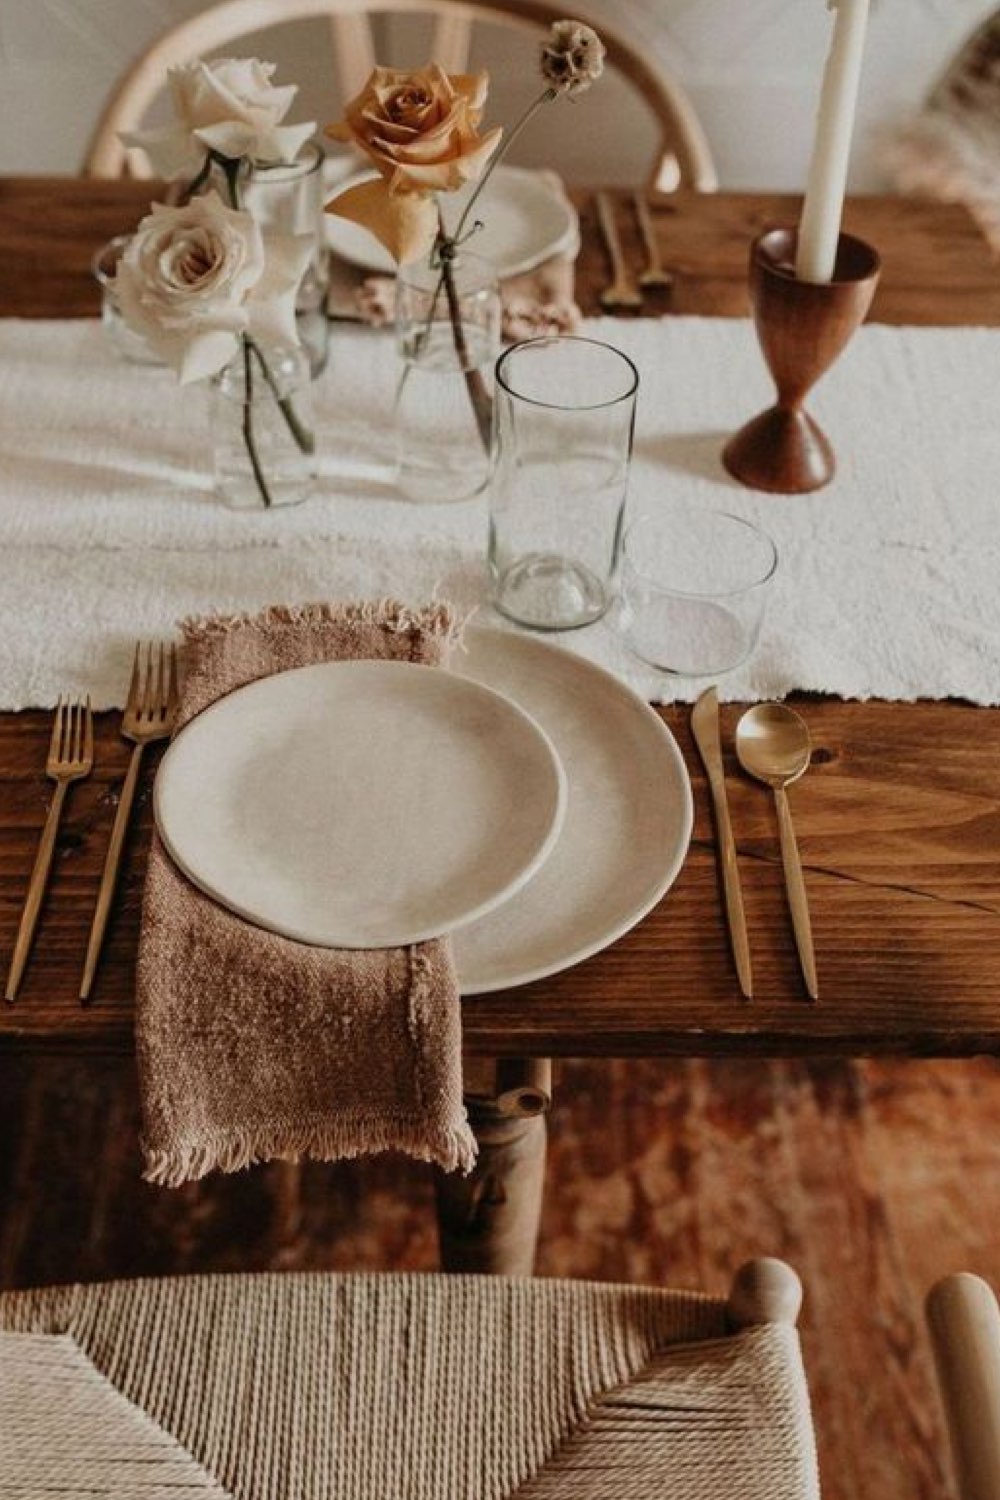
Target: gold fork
x: 70, y: 758
x: 149, y: 715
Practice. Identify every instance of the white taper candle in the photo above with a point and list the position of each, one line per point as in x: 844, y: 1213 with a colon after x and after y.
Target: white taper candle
x: 824, y: 201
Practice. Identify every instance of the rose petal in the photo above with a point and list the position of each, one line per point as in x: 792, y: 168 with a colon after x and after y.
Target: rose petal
x: 284, y: 143
x: 446, y: 176
x: 231, y: 138
x: 169, y: 149
x: 405, y: 223
x: 205, y: 354
x: 474, y: 87
x: 271, y: 305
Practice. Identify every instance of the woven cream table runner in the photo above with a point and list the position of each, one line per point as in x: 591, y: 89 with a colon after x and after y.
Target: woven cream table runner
x: 887, y: 583
x: 397, y: 1387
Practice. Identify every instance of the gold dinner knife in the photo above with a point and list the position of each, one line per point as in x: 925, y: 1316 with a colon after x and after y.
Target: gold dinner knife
x: 705, y: 727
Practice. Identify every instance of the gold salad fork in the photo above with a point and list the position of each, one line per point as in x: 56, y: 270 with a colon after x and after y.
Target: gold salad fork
x: 70, y: 758
x: 150, y: 713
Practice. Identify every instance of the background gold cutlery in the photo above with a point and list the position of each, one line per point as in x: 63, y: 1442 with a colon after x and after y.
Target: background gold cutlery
x: 70, y: 758
x: 772, y: 743
x: 150, y: 713
x: 622, y: 290
x: 655, y: 273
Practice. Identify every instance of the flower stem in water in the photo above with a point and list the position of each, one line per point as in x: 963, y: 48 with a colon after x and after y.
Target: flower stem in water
x: 248, y: 434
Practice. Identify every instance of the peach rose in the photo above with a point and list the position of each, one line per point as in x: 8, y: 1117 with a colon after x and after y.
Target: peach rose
x: 421, y: 131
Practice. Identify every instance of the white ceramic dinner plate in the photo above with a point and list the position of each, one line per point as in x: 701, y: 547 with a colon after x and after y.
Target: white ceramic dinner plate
x: 628, y: 818
x: 361, y: 804
x: 526, y: 219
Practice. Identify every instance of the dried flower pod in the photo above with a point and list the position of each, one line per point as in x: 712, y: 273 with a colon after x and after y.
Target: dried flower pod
x: 572, y: 57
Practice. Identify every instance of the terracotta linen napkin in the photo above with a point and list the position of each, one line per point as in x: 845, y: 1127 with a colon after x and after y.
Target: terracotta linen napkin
x: 251, y: 1046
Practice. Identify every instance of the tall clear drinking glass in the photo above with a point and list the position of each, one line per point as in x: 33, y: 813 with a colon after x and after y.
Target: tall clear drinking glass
x: 564, y: 415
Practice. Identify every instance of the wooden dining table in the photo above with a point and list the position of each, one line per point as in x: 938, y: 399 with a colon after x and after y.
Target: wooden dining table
x: 898, y: 818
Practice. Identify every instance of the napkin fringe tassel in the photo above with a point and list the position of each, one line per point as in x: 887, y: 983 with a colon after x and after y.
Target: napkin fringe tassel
x: 437, y: 618
x: 450, y: 1147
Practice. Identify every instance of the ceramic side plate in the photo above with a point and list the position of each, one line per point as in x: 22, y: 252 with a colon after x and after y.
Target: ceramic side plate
x: 360, y: 804
x: 628, y: 818
x: 526, y: 219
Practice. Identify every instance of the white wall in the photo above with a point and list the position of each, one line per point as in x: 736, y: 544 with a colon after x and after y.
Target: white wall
x: 752, y: 68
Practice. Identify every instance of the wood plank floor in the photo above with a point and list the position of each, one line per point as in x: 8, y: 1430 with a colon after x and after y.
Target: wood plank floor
x: 873, y: 1179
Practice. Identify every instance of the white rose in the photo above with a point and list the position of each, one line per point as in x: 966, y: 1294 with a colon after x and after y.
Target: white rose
x: 193, y: 279
x: 229, y: 106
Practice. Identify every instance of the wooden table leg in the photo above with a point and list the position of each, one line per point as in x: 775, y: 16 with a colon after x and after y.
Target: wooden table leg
x: 488, y: 1221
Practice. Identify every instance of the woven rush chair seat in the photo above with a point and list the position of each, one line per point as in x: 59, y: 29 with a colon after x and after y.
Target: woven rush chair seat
x: 345, y: 1387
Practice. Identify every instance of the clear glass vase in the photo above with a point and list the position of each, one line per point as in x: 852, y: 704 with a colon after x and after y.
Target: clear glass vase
x: 287, y: 197
x: 448, y: 340
x: 262, y: 429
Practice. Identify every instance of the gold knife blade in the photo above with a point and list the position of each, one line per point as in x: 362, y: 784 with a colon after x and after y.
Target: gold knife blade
x: 705, y: 728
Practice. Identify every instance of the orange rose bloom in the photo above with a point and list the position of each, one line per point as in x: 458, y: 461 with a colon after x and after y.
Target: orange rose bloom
x: 421, y: 129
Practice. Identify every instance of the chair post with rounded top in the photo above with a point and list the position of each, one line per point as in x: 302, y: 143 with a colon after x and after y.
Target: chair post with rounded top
x: 964, y: 1322
x: 764, y: 1291
x: 488, y: 1221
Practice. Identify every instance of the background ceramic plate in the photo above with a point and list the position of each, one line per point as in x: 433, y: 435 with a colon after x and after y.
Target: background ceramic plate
x: 525, y: 220
x: 628, y: 817
x: 360, y: 804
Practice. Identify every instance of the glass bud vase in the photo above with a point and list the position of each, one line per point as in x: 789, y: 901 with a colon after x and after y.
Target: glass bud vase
x: 262, y: 429
x: 287, y: 198
x: 448, y: 345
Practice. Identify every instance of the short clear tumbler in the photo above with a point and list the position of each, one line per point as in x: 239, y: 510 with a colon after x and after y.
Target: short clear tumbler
x: 694, y: 588
x: 565, y: 410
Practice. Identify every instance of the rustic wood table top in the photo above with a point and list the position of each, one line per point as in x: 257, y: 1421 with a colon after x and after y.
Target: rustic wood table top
x: 898, y: 819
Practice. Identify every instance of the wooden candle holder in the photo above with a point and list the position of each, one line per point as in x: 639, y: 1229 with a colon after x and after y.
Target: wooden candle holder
x: 802, y: 327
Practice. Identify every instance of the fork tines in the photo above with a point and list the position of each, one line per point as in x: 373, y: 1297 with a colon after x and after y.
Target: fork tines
x: 153, y: 690
x: 72, y: 738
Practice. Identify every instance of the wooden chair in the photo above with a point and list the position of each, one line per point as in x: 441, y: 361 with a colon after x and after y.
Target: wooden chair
x: 684, y: 157
x: 416, y: 1387
x: 965, y: 1328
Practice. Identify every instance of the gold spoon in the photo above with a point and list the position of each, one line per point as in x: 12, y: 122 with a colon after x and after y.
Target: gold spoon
x: 772, y: 743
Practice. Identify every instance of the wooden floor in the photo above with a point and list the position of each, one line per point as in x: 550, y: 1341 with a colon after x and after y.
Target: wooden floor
x: 873, y: 1179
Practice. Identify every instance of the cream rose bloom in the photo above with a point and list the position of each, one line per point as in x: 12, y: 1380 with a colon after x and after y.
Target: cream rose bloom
x: 193, y: 279
x: 229, y: 106
x: 421, y: 131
